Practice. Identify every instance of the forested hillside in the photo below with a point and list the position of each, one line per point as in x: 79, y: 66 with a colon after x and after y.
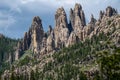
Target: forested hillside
x: 7, y: 49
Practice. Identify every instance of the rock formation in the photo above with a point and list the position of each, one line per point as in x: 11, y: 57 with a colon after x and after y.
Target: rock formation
x: 77, y: 17
x: 101, y: 14
x: 64, y: 34
x: 61, y: 30
x: 110, y: 11
x: 93, y: 20
x: 72, y: 39
x: 51, y: 42
x: 19, y: 51
x: 37, y: 35
x: 50, y: 30
x: 77, y: 20
x: 32, y: 39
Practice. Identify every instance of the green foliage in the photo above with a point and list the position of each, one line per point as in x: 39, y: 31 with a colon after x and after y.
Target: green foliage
x: 26, y: 59
x: 32, y: 75
x: 109, y: 22
x: 7, y: 48
x: 110, y: 65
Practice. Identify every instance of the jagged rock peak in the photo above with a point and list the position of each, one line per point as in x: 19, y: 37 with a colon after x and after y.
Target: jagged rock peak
x: 93, y: 20
x: 77, y: 16
x: 73, y: 38
x: 25, y: 41
x: 37, y: 34
x: 61, y: 29
x: 37, y: 23
x: 83, y: 18
x: 50, y: 28
x: 60, y: 11
x: 37, y: 19
x: 101, y: 14
x: 61, y: 18
x: 78, y: 7
x: 19, y: 50
x: 110, y: 11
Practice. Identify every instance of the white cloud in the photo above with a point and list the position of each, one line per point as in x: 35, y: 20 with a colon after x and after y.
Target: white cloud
x: 45, y: 5
x: 6, y: 20
x: 27, y: 1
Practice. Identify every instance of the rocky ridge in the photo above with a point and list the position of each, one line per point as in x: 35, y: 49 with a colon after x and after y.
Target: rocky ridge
x: 65, y: 33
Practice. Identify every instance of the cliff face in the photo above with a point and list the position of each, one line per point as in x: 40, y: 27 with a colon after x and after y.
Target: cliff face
x: 64, y: 33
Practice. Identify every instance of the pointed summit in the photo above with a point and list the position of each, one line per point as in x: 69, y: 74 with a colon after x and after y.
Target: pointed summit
x: 36, y: 19
x: 110, y: 11
x: 77, y: 9
x: 61, y: 18
x: 61, y: 29
x: 77, y: 17
x: 93, y: 20
x: 50, y: 29
x: 37, y: 34
x: 37, y: 23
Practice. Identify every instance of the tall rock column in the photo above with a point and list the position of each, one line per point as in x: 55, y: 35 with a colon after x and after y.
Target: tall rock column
x: 19, y: 51
x: 37, y: 34
x: 51, y: 42
x: 61, y: 30
x: 77, y: 20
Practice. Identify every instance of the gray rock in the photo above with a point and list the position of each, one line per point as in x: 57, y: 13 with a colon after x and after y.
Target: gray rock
x: 61, y: 30
x: 110, y: 11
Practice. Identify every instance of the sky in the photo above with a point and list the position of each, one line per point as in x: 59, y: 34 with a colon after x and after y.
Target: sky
x: 16, y: 15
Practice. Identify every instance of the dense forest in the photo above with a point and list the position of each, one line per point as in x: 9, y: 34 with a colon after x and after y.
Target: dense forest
x: 7, y: 49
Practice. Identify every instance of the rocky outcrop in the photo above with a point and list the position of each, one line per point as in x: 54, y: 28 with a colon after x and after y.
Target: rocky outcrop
x: 32, y: 39
x: 61, y: 30
x: 101, y: 14
x: 19, y: 51
x: 50, y: 29
x: 43, y: 49
x: 93, y: 20
x: 110, y: 11
x: 37, y: 35
x: 64, y: 34
x: 77, y: 17
x: 25, y: 42
x: 89, y: 28
x: 77, y: 20
x: 72, y: 39
x: 51, y: 42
